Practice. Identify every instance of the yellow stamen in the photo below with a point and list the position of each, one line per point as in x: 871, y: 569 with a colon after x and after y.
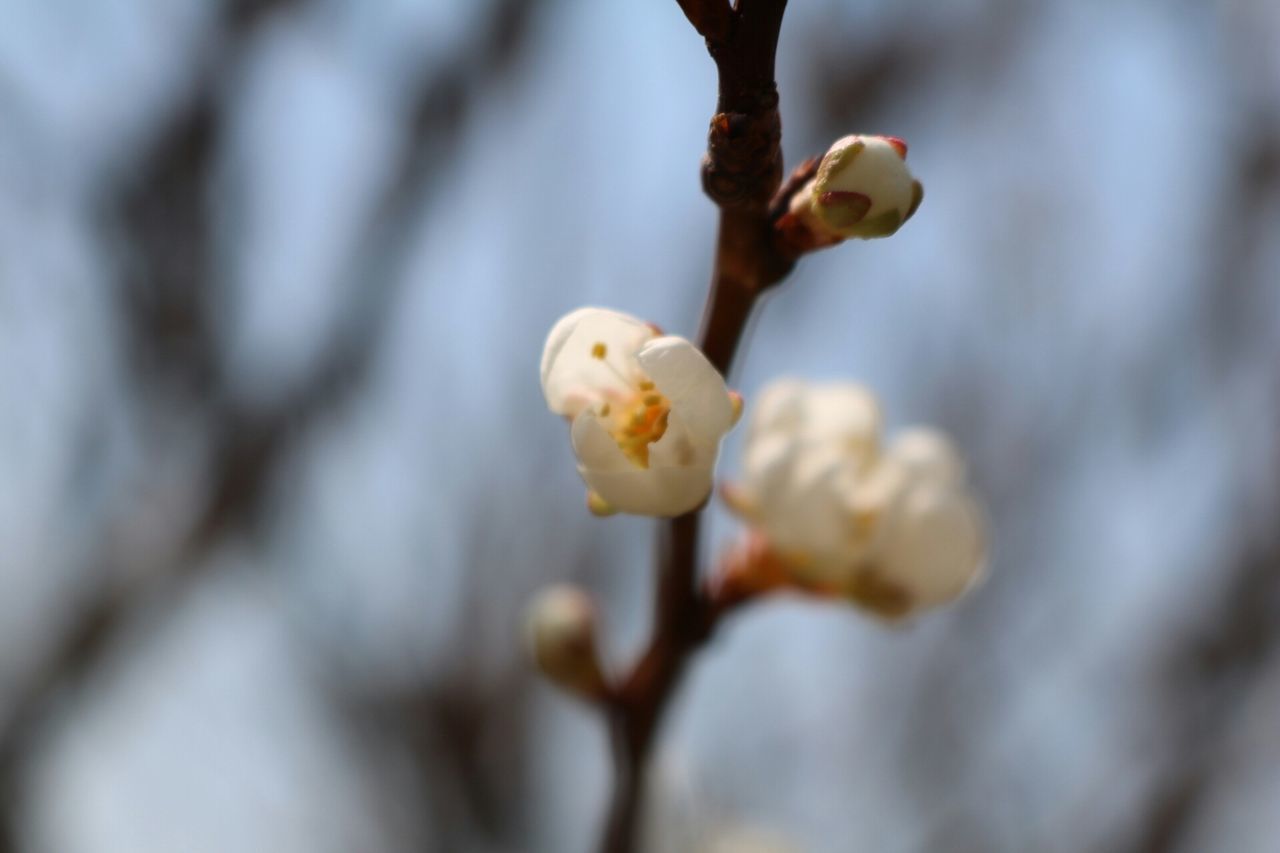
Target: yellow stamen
x: 646, y: 385
x: 640, y: 422
x: 599, y: 350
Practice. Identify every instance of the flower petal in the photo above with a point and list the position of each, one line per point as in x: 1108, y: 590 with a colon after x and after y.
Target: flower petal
x: 590, y: 353
x: 768, y: 460
x: 844, y: 413
x: 803, y: 511
x: 680, y: 448
x: 661, y: 492
x: 595, y: 447
x: 695, y: 388
x: 929, y: 456
x: 936, y: 545
x: 779, y: 408
x: 676, y: 481
x: 874, y: 496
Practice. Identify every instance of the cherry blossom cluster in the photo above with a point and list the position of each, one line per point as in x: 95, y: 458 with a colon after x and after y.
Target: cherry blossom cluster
x: 893, y: 529
x: 833, y: 510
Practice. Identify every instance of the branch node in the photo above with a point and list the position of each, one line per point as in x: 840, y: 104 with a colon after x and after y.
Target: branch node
x: 743, y: 163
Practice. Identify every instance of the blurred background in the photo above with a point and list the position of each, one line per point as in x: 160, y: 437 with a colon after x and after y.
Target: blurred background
x: 276, y: 476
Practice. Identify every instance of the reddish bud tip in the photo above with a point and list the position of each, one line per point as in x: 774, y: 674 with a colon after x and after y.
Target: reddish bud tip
x: 898, y: 145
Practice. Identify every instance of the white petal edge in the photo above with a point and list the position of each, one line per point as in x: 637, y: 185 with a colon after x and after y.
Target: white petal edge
x: 928, y: 455
x: 595, y: 447
x: 844, y: 412
x: 937, y: 548
x: 567, y: 365
x: 778, y: 408
x: 679, y: 447
x: 660, y: 492
x: 695, y: 388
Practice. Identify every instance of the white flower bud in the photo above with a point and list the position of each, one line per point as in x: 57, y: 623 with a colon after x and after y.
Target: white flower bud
x: 648, y: 411
x: 561, y: 635
x: 862, y: 189
x: 894, y: 531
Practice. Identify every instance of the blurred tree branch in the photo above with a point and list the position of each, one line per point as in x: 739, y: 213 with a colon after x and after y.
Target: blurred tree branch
x: 1209, y: 676
x: 861, y: 83
x: 1209, y: 672
x: 167, y: 297
x: 168, y: 335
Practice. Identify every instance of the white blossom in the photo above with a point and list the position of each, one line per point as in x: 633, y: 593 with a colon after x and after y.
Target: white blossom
x: 862, y: 189
x: 647, y: 410
x: 893, y: 529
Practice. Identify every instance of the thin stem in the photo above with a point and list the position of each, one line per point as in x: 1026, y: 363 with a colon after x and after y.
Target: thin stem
x: 745, y: 267
x: 741, y: 173
x: 637, y: 707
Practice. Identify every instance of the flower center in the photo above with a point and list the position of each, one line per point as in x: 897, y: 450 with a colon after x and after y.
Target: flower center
x: 639, y: 421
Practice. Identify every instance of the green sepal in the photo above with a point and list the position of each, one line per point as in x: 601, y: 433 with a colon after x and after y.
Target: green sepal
x: 878, y: 226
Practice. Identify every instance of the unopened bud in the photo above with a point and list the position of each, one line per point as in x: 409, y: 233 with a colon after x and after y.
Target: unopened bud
x: 561, y: 633
x: 862, y: 189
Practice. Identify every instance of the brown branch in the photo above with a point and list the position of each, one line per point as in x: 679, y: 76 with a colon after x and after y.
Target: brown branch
x: 170, y: 341
x: 1207, y: 676
x: 741, y: 173
x: 1209, y: 671
x: 709, y: 17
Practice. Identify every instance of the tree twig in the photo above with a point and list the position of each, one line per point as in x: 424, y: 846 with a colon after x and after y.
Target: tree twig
x: 741, y: 172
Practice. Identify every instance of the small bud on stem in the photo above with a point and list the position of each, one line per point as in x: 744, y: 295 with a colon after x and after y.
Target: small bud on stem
x: 562, y: 640
x: 861, y: 188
